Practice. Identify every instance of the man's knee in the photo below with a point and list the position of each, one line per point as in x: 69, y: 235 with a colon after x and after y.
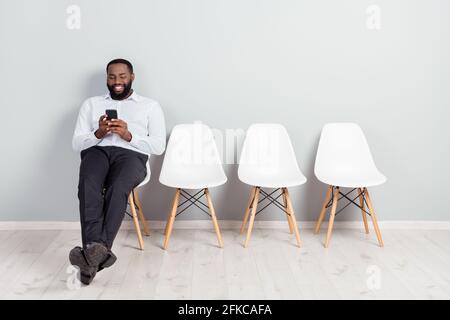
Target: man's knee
x: 90, y: 188
x: 120, y: 187
x: 93, y: 160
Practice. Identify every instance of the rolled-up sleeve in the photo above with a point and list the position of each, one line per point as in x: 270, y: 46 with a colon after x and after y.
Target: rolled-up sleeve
x: 155, y: 140
x: 84, y: 135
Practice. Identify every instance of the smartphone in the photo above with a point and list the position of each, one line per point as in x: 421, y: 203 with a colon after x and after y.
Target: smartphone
x: 111, y: 114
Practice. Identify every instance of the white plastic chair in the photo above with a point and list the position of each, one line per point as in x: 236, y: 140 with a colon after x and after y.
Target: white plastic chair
x: 344, y: 160
x: 135, y: 203
x: 268, y: 161
x: 192, y: 162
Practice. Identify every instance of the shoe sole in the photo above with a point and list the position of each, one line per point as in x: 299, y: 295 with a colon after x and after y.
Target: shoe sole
x: 76, y: 258
x: 108, y: 262
x: 87, y: 273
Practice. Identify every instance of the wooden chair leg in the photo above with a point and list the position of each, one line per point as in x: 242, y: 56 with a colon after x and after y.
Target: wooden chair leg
x: 364, y: 215
x: 213, y: 217
x: 291, y: 216
x: 136, y: 221
x: 171, y: 219
x: 332, y: 215
x: 247, y: 209
x: 168, y: 218
x: 323, y: 210
x: 141, y: 213
x: 167, y: 222
x: 252, y: 216
x: 374, y: 217
x: 291, y: 228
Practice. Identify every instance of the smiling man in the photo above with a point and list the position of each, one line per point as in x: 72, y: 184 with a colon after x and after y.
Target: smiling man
x: 114, y: 153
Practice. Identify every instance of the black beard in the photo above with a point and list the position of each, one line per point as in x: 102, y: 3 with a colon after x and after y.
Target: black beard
x: 120, y: 96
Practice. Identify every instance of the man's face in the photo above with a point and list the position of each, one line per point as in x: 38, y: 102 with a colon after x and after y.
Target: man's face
x: 119, y: 81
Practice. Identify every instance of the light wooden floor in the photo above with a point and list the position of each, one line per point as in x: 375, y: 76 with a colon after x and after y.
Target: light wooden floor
x: 413, y: 264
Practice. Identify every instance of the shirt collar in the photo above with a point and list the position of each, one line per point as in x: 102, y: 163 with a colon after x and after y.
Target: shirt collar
x: 134, y: 96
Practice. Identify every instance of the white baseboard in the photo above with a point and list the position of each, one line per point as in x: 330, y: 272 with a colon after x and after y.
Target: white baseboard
x: 227, y: 224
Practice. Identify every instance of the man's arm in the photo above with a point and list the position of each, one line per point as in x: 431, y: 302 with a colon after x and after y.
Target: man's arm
x: 155, y: 141
x: 84, y: 135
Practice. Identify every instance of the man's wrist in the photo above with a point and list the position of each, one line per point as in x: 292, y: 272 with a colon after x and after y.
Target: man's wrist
x: 128, y: 136
x: 97, y: 134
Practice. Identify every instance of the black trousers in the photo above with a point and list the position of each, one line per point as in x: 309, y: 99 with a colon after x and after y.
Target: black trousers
x: 107, y: 176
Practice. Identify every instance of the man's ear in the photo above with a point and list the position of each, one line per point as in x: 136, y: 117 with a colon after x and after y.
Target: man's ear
x: 132, y: 77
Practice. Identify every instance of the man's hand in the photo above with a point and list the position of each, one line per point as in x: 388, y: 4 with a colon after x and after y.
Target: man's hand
x: 120, y: 127
x: 102, y: 127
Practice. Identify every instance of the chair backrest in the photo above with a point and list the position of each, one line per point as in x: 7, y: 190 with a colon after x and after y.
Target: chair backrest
x: 267, y: 150
x: 192, y: 156
x: 343, y: 149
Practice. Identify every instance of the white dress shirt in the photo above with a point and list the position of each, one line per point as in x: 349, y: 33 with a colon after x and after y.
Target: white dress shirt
x: 144, y: 117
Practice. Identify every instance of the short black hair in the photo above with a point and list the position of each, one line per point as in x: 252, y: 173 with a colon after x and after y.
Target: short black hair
x: 115, y: 61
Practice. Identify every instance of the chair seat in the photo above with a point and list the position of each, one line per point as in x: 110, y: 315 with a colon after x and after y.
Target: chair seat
x: 147, y: 176
x: 353, y: 181
x: 190, y: 177
x: 274, y: 180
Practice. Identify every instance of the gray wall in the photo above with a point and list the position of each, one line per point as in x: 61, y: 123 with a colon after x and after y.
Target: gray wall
x: 231, y: 63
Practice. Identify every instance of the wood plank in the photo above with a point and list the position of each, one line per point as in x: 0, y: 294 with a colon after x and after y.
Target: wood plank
x: 273, y: 268
x: 33, y: 283
x: 355, y: 245
x: 241, y: 272
x: 21, y: 260
x: 175, y: 280
x: 309, y: 274
x: 413, y: 264
x: 395, y: 258
x: 208, y: 268
x: 339, y: 271
x: 144, y: 269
